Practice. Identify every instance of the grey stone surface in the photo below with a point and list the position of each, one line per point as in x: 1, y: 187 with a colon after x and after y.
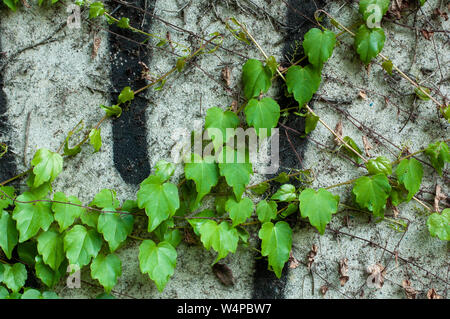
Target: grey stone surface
x: 59, y: 83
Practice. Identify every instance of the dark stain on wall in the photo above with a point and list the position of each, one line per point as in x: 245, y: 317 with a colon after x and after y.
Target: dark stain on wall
x: 129, y: 130
x: 265, y: 284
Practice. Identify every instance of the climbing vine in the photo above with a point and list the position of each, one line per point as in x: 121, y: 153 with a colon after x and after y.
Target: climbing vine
x: 51, y: 231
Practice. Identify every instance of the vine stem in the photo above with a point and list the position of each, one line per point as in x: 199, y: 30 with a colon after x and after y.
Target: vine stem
x: 402, y: 74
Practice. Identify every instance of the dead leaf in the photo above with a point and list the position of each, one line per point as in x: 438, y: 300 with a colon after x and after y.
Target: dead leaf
x: 362, y: 95
x: 189, y: 237
x: 367, y: 146
x: 432, y: 294
x: 438, y: 197
x: 437, y: 12
x: 145, y: 73
x: 169, y: 39
x: 224, y: 273
x: 96, y: 46
x: 338, y: 131
x: 376, y: 277
x: 323, y: 290
x: 25, y: 3
x: 234, y: 106
x: 293, y: 262
x: 282, y: 68
x: 311, y: 255
x: 409, y: 291
x: 427, y: 34
x: 226, y: 76
x: 343, y: 271
x: 396, y: 7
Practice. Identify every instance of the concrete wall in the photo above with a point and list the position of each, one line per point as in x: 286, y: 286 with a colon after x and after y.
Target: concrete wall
x: 51, y: 81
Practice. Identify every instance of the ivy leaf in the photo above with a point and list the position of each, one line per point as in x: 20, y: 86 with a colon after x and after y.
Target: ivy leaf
x: 12, y: 4
x: 369, y: 42
x: 8, y: 234
x: 302, y: 82
x: 124, y: 23
x: 319, y: 45
x: 4, y: 294
x: 81, y: 245
x: 262, y: 113
x: 266, y: 211
x: 239, y: 211
x: 31, y: 217
x: 47, y: 165
x: 310, y: 122
x: 372, y: 193
x: 115, y: 227
x: 438, y: 154
x: 353, y: 145
x: 260, y: 189
x: 439, y: 224
x: 96, y: 9
x: 318, y: 207
x: 51, y: 247
x: 420, y: 92
x: 158, y: 261
x: 422, y: 2
x: 106, y: 198
x: 164, y: 170
x: 6, y: 201
x: 256, y: 78
x: 126, y: 95
x: 379, y: 165
x: 387, y: 66
x: 366, y: 8
x: 27, y: 252
x: 222, y: 238
x: 14, y: 276
x: 90, y: 218
x: 445, y: 112
x: 159, y: 199
x: 114, y: 110
x: 276, y: 242
x: 70, y: 151
x: 292, y: 208
x: 236, y: 173
x: 197, y: 222
x: 217, y: 119
x: 409, y: 173
x: 106, y: 269
x: 286, y: 193
x: 164, y: 232
x: 66, y: 214
x: 48, y: 276
x: 95, y: 139
x: 31, y: 294
x: 205, y: 174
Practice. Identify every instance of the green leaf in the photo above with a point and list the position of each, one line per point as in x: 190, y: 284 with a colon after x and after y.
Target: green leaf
x: 66, y: 214
x: 164, y: 169
x: 47, y: 165
x: 27, y: 252
x: 379, y: 165
x: 302, y: 82
x: 266, y: 211
x: 124, y: 23
x: 256, y: 78
x: 164, y: 232
x: 14, y: 276
x: 217, y: 119
x: 292, y: 208
x: 422, y: 2
x: 12, y: 4
x: 398, y: 195
x: 282, y: 178
x: 222, y: 238
x: 421, y: 93
x: 90, y: 218
x: 239, y: 211
x: 104, y: 295
x: 372, y: 193
x: 49, y: 295
x: 95, y: 139
x: 126, y: 95
x: 353, y: 145
x: 81, y: 245
x: 261, y: 188
x: 438, y: 154
x: 114, y: 110
x: 439, y: 224
x: 318, y: 207
x: 262, y: 113
x: 115, y: 227
x: 387, y: 66
x: 318, y: 46
x: 38, y: 192
x: 237, y: 172
x: 197, y: 222
x: 158, y: 261
x: 286, y: 193
x: 310, y: 122
x: 8, y: 234
x: 31, y: 294
x: 5, y: 199
x: 409, y: 173
x: 106, y: 198
x: 96, y: 9
x: 205, y: 174
x: 4, y: 294
x: 276, y: 242
x: 48, y: 276
x: 106, y: 269
x: 51, y: 247
x: 445, y: 112
x: 159, y: 199
x: 31, y: 217
x: 369, y: 42
x: 70, y: 151
x: 180, y: 64
x: 367, y: 9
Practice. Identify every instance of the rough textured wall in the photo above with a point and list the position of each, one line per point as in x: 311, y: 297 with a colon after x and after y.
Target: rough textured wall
x: 50, y: 80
